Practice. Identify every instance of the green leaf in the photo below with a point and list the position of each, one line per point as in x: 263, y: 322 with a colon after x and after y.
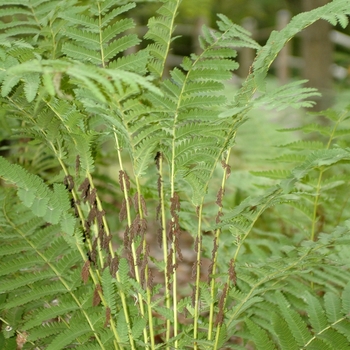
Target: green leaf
x: 332, y: 304
x: 316, y: 313
x: 294, y: 321
x: 108, y: 290
x: 260, y: 336
x: 285, y: 337
x: 69, y: 336
x: 346, y: 299
x: 138, y: 327
x: 31, y: 86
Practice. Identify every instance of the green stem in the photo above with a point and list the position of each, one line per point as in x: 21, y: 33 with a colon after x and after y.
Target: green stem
x: 165, y: 250
x: 173, y: 242
x: 82, y: 253
x: 215, y: 255
x: 133, y: 248
x: 148, y: 291
x: 198, y: 273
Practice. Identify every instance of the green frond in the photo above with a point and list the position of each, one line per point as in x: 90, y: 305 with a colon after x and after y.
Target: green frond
x: 37, y: 293
x: 133, y: 63
x: 302, y: 145
x: 289, y: 158
x: 77, y: 107
x: 315, y: 312
x: 33, y: 192
x: 20, y: 281
x: 343, y: 328
x: 47, y: 330
x: 320, y: 158
x: 160, y: 31
x: 319, y: 344
x: 94, y: 39
x: 138, y: 327
x: 120, y: 45
x: 89, y: 23
x: 197, y: 101
x: 81, y: 53
x: 346, y: 299
x: 303, y: 208
x: 260, y: 336
x: 143, y: 154
x: 19, y: 264
x: 323, y: 130
x: 108, y: 288
x: 267, y: 54
x: 108, y: 14
x: 122, y: 328
x: 70, y: 335
x: 332, y: 305
x: 296, y: 324
x: 335, y: 339
x: 123, y: 272
x: 285, y: 336
x: 272, y: 174
x: 292, y: 94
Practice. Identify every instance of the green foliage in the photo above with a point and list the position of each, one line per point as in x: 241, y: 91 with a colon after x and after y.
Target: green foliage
x: 108, y: 147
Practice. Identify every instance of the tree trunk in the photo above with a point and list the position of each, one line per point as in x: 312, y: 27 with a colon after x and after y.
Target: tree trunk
x: 317, y: 50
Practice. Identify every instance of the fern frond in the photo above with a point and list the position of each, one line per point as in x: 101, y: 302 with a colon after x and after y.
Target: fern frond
x: 285, y: 337
x: 316, y: 313
x: 321, y: 158
x: 160, y: 31
x: 272, y: 174
x: 295, y: 323
x: 69, y: 336
x: 94, y: 38
x: 260, y: 337
x: 291, y: 94
x: 34, y: 193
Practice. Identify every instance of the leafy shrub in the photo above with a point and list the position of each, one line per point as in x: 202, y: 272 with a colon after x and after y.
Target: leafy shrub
x: 104, y: 145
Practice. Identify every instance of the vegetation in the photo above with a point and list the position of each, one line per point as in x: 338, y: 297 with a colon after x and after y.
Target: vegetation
x: 103, y: 151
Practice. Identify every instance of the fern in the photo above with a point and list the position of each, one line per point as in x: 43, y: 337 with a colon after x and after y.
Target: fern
x: 98, y: 134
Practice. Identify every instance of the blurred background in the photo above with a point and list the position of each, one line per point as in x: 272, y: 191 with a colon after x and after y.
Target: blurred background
x: 321, y: 53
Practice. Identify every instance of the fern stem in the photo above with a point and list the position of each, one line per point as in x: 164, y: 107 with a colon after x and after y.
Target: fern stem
x: 100, y: 35
x: 165, y: 247
x: 173, y: 235
x: 133, y: 249
x: 314, y: 214
x: 198, y: 248
x: 82, y: 253
x: 149, y: 311
x: 215, y: 251
x: 148, y: 291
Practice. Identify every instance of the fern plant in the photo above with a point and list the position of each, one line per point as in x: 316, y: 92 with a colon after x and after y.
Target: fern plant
x: 109, y: 150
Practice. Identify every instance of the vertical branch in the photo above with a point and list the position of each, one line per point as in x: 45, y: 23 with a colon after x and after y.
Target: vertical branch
x: 213, y: 266
x: 87, y: 270
x: 174, y: 232
x: 131, y: 229
x: 197, y: 272
x: 145, y: 272
x: 174, y: 227
x: 163, y: 240
x: 231, y: 279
